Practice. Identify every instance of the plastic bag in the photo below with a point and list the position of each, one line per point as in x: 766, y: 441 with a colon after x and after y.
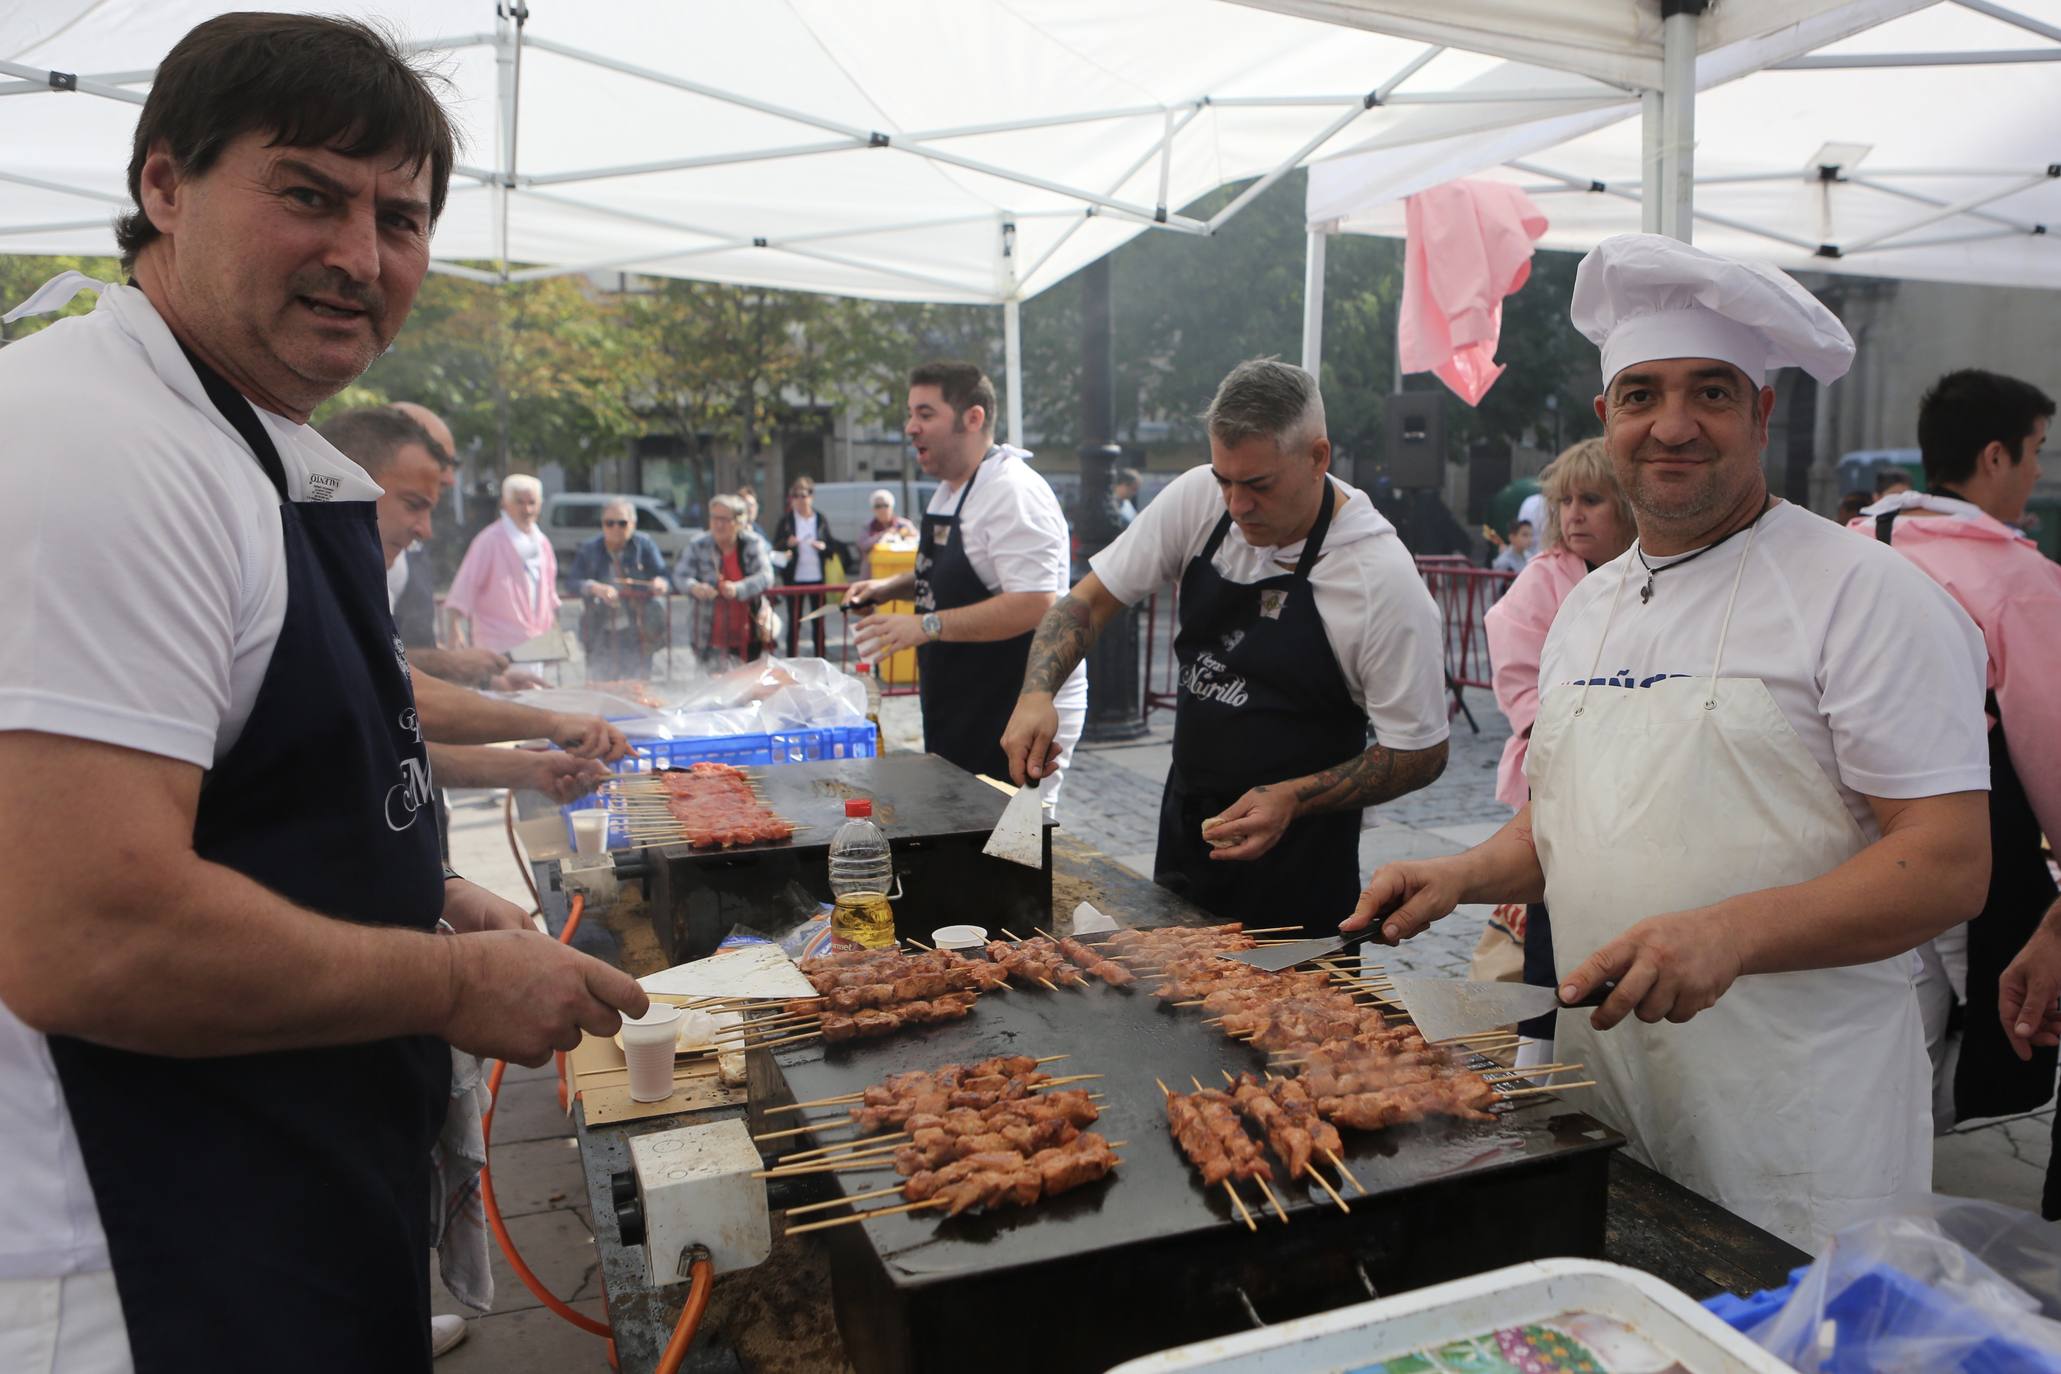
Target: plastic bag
x: 1938, y: 1284
x: 794, y: 693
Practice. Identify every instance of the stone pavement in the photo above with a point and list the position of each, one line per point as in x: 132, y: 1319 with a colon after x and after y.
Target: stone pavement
x: 1111, y: 800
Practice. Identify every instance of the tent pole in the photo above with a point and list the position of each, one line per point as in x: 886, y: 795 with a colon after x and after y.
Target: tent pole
x: 1012, y: 372
x: 1650, y: 103
x: 1678, y: 116
x: 1313, y: 301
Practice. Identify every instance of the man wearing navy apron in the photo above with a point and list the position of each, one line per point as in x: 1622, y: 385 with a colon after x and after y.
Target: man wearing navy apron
x: 1758, y: 777
x: 1304, y: 627
x: 227, y: 1010
x: 992, y: 560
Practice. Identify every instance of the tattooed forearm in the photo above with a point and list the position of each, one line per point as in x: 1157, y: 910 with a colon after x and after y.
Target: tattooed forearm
x: 1060, y: 644
x: 1371, y: 778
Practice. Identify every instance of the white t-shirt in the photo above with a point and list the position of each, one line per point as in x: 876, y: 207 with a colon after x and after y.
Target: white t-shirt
x: 529, y: 547
x: 1015, y: 536
x: 397, y: 579
x: 1873, y: 665
x: 142, y: 546
x: 1382, y: 624
x: 808, y: 559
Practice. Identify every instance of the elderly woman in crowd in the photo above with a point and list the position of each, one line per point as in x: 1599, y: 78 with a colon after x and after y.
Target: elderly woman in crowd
x: 621, y: 579
x: 725, y: 574
x: 885, y: 524
x: 506, y: 591
x: 1588, y: 523
x: 803, y: 546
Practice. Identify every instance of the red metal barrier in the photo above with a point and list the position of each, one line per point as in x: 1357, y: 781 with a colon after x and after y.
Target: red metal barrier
x: 1463, y: 592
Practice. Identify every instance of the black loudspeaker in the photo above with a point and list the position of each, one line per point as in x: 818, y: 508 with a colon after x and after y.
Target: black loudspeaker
x: 1416, y: 456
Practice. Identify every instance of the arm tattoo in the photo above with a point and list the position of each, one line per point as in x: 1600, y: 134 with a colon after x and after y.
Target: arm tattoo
x: 1060, y: 644
x: 1371, y: 778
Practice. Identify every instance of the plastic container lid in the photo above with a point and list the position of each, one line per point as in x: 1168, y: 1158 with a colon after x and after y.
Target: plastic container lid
x: 959, y: 937
x: 858, y: 807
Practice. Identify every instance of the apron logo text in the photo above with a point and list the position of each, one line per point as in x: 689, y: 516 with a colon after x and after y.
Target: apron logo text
x: 1200, y: 680
x: 410, y: 795
x: 1623, y: 678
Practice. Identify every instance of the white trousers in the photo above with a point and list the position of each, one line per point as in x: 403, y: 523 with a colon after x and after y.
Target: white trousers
x: 70, y: 1325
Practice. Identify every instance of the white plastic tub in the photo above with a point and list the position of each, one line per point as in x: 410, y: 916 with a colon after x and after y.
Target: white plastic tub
x: 1363, y: 1336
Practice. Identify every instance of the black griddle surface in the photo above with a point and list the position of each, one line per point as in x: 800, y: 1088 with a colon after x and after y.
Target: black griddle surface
x: 1131, y: 1037
x: 914, y: 796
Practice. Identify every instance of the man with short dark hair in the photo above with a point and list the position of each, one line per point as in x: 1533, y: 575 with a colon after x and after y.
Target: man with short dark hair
x: 1891, y: 480
x: 228, y: 1015
x: 1124, y: 491
x: 993, y: 557
x: 1303, y: 623
x: 1979, y: 434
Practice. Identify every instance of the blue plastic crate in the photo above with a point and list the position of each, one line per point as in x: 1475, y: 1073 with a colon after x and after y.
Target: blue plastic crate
x: 739, y: 751
x: 1893, y: 1305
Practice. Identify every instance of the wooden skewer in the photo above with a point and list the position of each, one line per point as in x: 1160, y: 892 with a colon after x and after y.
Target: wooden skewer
x: 1250, y: 1224
x: 756, y: 1032
x: 927, y: 949
x: 843, y: 1201
x: 867, y: 1216
x: 1267, y: 930
x: 1478, y: 1036
x: 1346, y: 1173
x: 766, y: 1023
x: 885, y: 1162
x: 792, y: 1039
x: 1070, y: 1078
x: 863, y: 1149
x: 825, y: 1124
x: 1542, y: 1070
x: 1279, y: 1210
x: 823, y: 1152
x: 1049, y: 983
x: 818, y: 1102
x: 1549, y: 1088
x: 1325, y: 1183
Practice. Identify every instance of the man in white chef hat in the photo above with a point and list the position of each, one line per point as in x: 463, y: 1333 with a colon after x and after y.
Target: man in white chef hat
x: 1758, y: 777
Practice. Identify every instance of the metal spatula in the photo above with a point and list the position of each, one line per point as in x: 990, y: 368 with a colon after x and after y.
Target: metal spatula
x: 1447, y: 1008
x: 1019, y: 836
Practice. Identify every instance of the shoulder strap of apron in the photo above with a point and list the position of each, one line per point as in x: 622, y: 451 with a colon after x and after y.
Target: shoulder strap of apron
x: 960, y: 504
x: 1313, y: 543
x: 242, y: 418
x: 1884, y: 523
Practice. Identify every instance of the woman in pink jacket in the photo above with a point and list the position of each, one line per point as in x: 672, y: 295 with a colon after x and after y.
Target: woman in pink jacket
x: 507, y: 587
x: 1588, y: 523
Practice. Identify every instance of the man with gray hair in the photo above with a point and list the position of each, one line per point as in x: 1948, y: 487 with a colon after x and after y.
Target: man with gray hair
x: 1304, y: 628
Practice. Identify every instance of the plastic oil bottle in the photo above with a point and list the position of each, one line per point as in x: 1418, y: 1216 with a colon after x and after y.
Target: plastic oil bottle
x: 862, y: 871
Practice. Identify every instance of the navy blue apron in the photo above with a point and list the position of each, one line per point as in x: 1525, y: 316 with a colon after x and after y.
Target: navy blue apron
x: 1990, y: 1079
x: 270, y: 1211
x: 1262, y: 700
x: 968, y: 690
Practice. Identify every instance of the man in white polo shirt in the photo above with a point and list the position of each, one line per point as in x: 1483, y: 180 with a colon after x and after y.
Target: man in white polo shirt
x: 226, y: 1004
x: 1303, y: 626
x: 994, y: 555
x: 1758, y: 778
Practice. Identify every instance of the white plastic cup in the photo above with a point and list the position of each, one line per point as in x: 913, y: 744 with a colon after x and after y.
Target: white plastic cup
x: 648, y: 1045
x: 590, y: 831
x: 959, y: 937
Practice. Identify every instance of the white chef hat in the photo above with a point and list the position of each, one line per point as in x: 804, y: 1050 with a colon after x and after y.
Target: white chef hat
x: 1642, y: 297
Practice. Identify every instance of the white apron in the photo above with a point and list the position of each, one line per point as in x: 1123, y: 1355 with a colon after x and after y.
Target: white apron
x: 1799, y: 1101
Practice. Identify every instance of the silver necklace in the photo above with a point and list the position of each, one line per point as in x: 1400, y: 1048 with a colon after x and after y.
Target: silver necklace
x: 1646, y: 592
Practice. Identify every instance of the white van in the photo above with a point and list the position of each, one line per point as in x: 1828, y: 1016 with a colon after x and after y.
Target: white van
x: 571, y: 518
x: 848, y: 504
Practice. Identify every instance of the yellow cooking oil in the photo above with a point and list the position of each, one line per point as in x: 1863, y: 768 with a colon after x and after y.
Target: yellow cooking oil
x: 862, y: 920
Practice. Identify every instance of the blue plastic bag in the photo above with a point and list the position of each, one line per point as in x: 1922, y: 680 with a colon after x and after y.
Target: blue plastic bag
x: 1941, y: 1284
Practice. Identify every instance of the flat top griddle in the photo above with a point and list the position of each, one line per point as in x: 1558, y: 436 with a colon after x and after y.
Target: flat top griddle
x: 1131, y: 1037
x: 914, y: 796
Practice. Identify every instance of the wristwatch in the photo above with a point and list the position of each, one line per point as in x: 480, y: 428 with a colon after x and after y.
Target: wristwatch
x: 933, y: 628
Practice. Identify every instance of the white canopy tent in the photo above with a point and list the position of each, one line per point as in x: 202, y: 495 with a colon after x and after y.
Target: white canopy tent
x: 1925, y: 148
x: 942, y: 150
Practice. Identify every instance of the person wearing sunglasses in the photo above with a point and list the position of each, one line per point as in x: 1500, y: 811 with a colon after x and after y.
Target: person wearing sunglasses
x: 621, y: 577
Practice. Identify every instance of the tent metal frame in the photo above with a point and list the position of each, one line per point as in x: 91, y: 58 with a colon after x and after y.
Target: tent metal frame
x: 1667, y: 193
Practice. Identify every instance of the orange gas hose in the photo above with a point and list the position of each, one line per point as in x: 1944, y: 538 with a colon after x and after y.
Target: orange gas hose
x: 486, y: 1185
x: 703, y: 1280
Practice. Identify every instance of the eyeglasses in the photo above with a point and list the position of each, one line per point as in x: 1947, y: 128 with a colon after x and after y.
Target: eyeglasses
x: 613, y: 524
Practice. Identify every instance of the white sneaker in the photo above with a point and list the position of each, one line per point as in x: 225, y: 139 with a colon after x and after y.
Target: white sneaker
x: 446, y: 1334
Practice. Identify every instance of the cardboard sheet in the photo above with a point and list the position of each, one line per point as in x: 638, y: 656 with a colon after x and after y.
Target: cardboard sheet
x: 754, y: 970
